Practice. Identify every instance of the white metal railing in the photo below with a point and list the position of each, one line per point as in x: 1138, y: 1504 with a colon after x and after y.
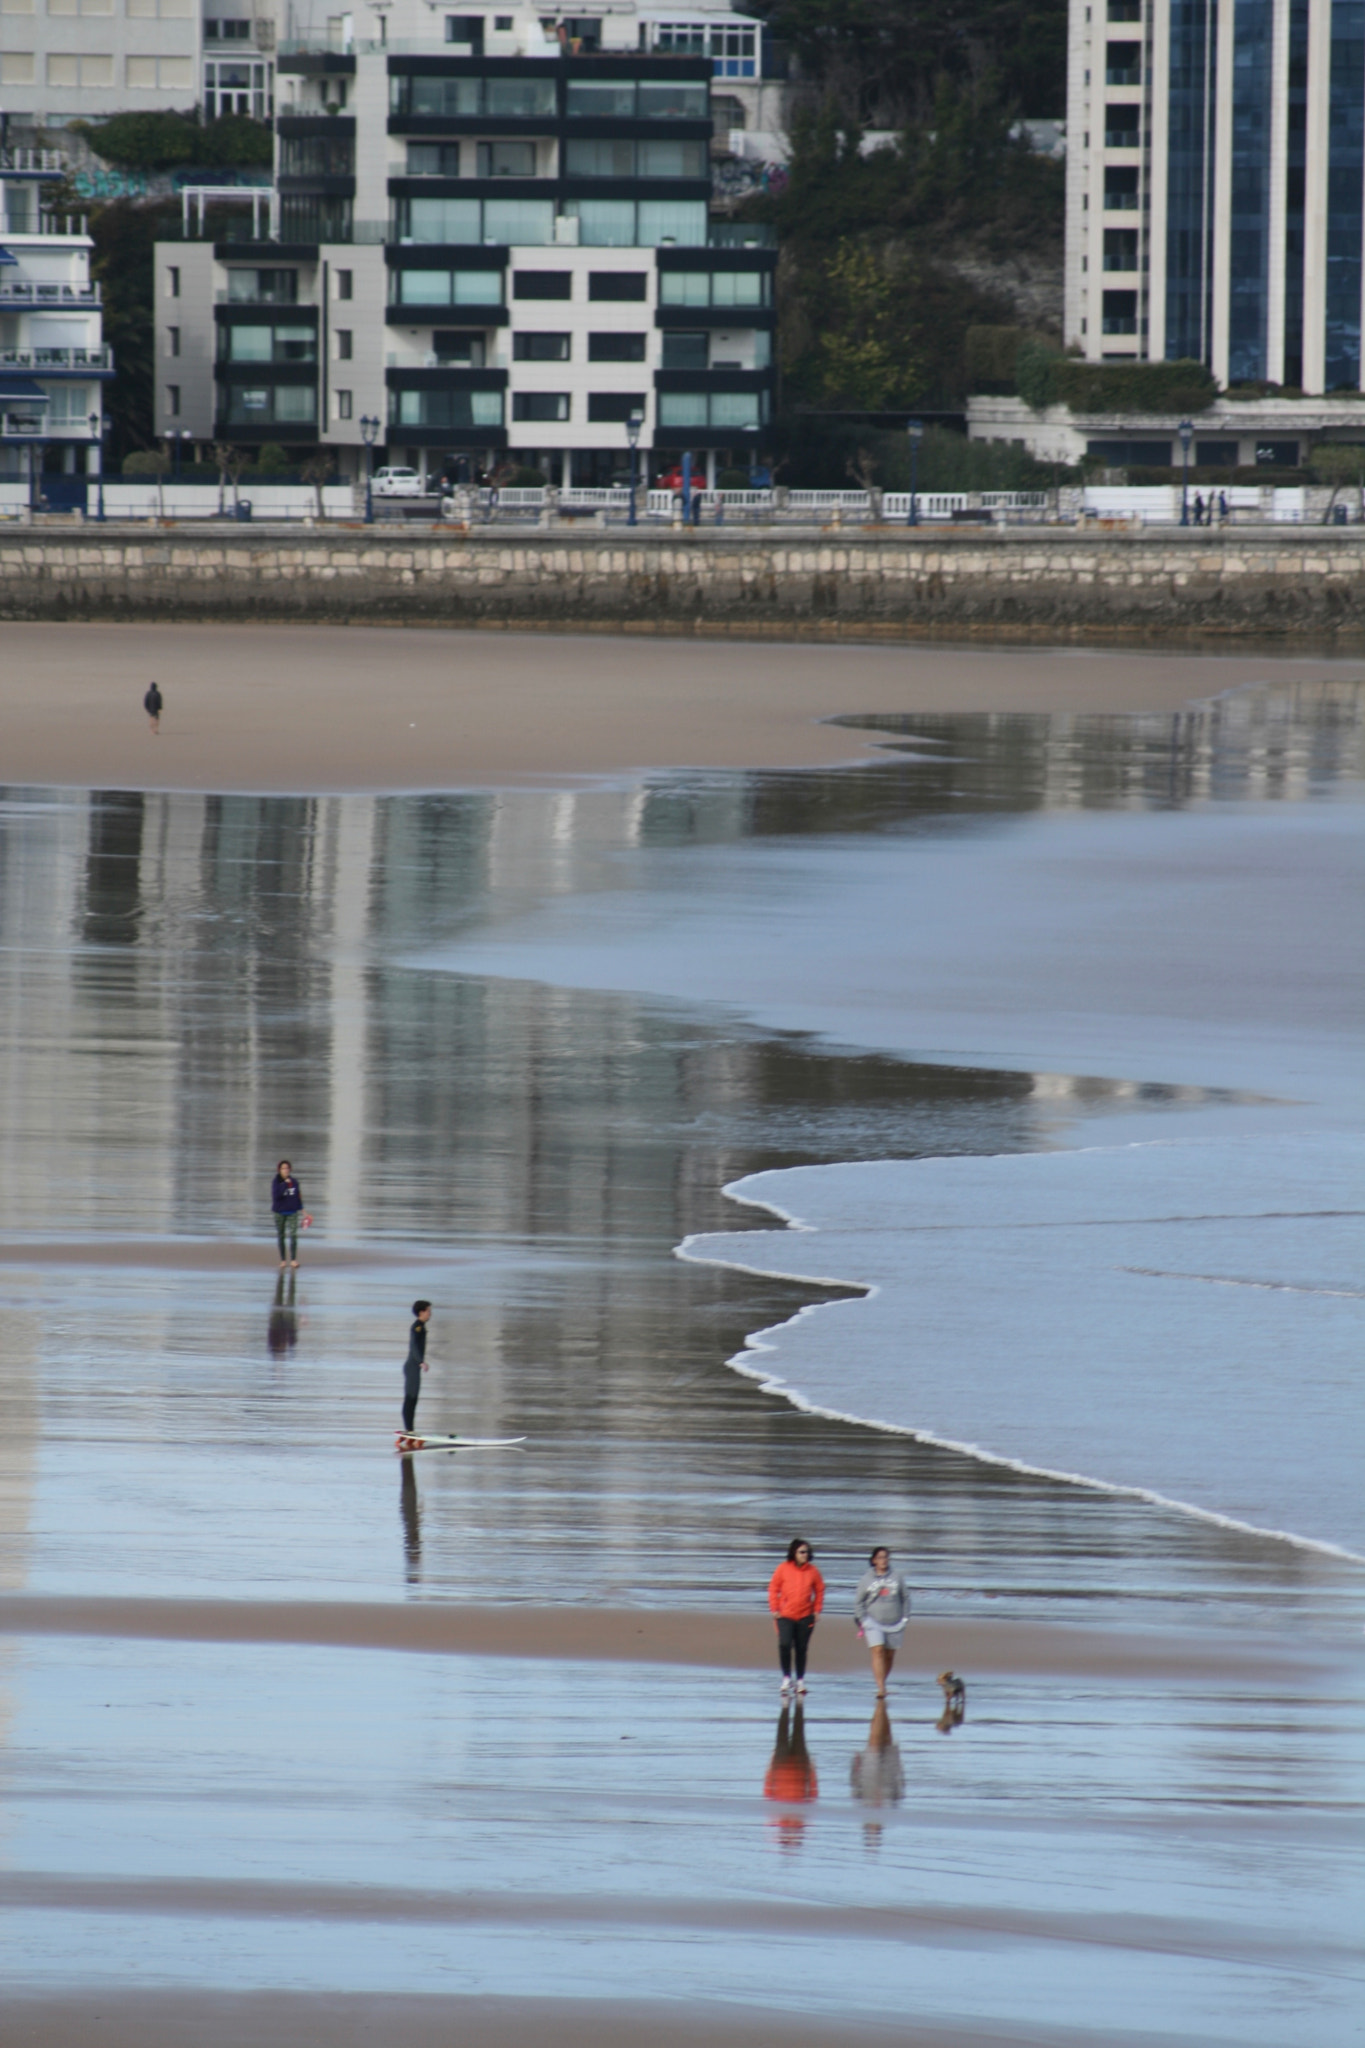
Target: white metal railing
x: 829, y: 501
x: 929, y: 505
x: 665, y: 504
x: 603, y: 498
x: 20, y: 294
x: 32, y: 160
x: 56, y: 359
x: 1014, y: 501
x: 521, y: 497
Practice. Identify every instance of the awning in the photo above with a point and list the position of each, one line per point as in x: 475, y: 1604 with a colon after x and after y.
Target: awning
x: 5, y: 257
x: 25, y: 388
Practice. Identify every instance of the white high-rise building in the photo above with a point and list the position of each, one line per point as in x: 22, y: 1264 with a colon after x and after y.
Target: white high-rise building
x: 1216, y: 187
x: 66, y: 60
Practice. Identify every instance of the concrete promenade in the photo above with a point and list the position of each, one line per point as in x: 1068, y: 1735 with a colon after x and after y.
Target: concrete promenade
x: 867, y: 584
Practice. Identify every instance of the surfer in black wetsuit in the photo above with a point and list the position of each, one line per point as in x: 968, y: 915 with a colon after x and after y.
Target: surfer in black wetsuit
x: 415, y: 1364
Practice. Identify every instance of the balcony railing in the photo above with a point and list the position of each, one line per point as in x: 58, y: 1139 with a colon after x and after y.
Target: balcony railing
x: 1123, y: 138
x: 1124, y: 74
x: 17, y: 425
x: 20, y: 294
x: 1120, y: 202
x: 47, y: 160
x: 48, y: 225
x: 41, y: 359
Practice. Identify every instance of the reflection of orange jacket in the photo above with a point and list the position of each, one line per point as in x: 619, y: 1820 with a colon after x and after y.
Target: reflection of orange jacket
x: 791, y: 1779
x: 796, y: 1592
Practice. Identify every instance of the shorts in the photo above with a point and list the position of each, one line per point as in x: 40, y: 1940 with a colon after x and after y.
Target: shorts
x: 878, y: 1637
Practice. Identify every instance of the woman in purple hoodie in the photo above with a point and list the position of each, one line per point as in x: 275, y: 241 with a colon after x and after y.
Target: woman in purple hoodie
x: 286, y: 1203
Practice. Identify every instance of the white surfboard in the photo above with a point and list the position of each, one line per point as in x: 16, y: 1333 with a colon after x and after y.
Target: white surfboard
x: 404, y: 1443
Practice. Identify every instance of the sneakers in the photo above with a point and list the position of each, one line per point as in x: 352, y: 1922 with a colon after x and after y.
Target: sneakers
x: 801, y: 1688
x: 785, y: 1687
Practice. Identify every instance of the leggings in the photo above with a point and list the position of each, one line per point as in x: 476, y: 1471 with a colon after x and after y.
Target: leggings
x: 412, y: 1387
x: 287, y: 1227
x: 793, y: 1636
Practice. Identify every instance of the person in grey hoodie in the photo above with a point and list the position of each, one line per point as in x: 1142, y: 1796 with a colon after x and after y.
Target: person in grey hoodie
x: 881, y: 1606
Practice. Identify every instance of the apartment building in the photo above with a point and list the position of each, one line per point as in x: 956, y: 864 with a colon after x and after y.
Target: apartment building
x: 66, y: 60
x: 490, y: 240
x: 53, y: 362
x: 1216, y: 186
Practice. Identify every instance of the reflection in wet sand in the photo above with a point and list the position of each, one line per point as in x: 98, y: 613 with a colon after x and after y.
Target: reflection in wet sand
x: 791, y: 1781
x: 876, y: 1774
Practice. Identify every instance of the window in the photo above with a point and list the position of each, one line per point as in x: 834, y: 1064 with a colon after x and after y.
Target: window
x: 673, y: 160
x: 616, y: 348
x: 1120, y: 249
x: 1121, y: 188
x: 542, y: 284
x: 682, y: 408
x: 682, y: 102
x: 173, y: 281
x: 604, y: 223
x: 446, y: 98
x: 685, y: 288
x: 467, y: 29
x: 739, y: 411
x: 81, y: 7
x: 620, y: 285
x: 171, y: 10
x: 440, y: 220
x: 1123, y: 64
x: 433, y: 160
x: 173, y: 400
x: 727, y: 114
x: 1121, y: 127
x: 83, y: 70
x: 1216, y: 454
x: 451, y: 345
x: 718, y: 288
x: 345, y: 338
x: 506, y: 160
x: 685, y: 351
x: 1130, y: 454
x: 316, y: 157
x: 152, y: 73
x: 599, y: 159
x: 519, y: 99
x: 1119, y: 311
x: 540, y: 405
x: 540, y: 348
x: 448, y: 287
x: 521, y: 223
x: 1277, y: 454
x: 614, y: 407
x: 343, y: 405
x: 263, y: 287
x: 1124, y: 10
x: 16, y: 67
x: 345, y: 283
x: 275, y: 344
x: 172, y: 341
x: 601, y: 101
x: 502, y: 23
x: 448, y: 409
x: 673, y: 220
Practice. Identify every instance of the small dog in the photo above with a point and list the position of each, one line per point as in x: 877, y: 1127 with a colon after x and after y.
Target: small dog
x: 954, y: 1702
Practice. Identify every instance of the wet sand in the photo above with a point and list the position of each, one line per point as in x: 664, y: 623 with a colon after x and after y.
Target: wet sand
x: 349, y: 708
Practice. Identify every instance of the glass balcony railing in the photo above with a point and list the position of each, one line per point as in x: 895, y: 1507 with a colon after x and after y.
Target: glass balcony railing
x: 41, y: 359
x: 20, y: 293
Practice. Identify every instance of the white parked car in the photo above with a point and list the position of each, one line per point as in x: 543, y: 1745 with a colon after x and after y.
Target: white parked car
x: 397, y: 483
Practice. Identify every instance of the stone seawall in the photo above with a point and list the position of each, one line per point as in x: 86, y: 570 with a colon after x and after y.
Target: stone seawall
x: 877, y: 584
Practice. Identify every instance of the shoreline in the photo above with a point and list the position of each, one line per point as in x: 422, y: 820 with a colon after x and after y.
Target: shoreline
x: 287, y: 709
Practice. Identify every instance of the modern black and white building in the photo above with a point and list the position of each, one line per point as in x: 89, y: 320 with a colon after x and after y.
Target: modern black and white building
x: 1216, y: 187
x: 490, y: 234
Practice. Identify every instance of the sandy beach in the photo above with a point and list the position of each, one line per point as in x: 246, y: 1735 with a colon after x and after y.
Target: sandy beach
x: 305, y: 1745
x: 315, y: 708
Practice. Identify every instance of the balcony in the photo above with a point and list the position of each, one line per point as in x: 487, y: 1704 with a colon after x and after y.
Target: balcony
x: 46, y: 295
x: 21, y: 426
x: 45, y: 360
x: 49, y: 227
x: 1123, y: 74
x: 41, y: 163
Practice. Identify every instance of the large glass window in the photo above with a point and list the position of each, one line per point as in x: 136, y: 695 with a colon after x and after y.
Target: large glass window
x: 540, y: 348
x: 454, y: 409
x: 526, y: 223
x: 717, y: 288
x: 686, y: 351
x: 452, y: 345
x: 445, y: 98
x: 448, y: 287
x: 681, y: 102
x: 682, y: 409
x: 614, y: 408
x: 599, y: 159
x: 263, y: 404
x: 673, y: 160
x: 519, y: 99
x: 604, y: 223
x: 440, y: 220
x: 433, y: 159
x: 682, y: 221
x: 1249, y: 239
x: 601, y: 100
x: 737, y: 411
x: 616, y: 348
x: 313, y: 156
x: 542, y: 284
x: 263, y: 287
x: 540, y: 405
x: 248, y: 344
x: 506, y: 160
x: 624, y: 287
x: 685, y: 288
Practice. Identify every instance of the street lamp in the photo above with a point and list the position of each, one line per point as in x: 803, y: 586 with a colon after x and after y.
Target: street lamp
x: 633, y: 426
x: 369, y: 434
x: 915, y: 430
x: 1186, y: 433
x: 97, y: 430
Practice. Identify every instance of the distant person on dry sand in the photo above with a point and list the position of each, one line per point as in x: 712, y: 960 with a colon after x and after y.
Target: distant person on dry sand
x: 796, y: 1594
x: 881, y: 1606
x: 152, y: 704
x: 286, y: 1205
x: 415, y: 1364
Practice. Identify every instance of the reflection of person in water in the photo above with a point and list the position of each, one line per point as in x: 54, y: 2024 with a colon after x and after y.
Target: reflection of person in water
x: 791, y: 1778
x: 283, y: 1332
x: 876, y: 1775
x: 410, y: 1506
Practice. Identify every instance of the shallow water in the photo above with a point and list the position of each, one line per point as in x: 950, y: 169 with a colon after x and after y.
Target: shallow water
x: 433, y: 1006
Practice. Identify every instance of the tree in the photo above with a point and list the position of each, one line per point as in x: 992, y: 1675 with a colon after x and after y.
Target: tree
x: 316, y: 471
x: 1339, y: 463
x: 229, y: 462
x: 151, y: 462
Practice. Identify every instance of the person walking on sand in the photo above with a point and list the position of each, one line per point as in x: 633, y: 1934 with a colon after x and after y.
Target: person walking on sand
x: 796, y: 1594
x: 152, y: 704
x: 286, y: 1205
x: 415, y: 1364
x: 881, y: 1606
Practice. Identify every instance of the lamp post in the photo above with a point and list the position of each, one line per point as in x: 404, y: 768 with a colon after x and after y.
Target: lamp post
x: 633, y: 426
x: 1186, y: 433
x: 915, y: 431
x: 369, y: 434
x: 97, y: 430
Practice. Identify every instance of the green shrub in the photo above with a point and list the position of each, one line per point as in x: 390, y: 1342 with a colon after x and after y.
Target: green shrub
x: 164, y: 142
x: 1035, y: 373
x: 146, y: 462
x: 525, y: 478
x: 733, y: 480
x: 1133, y: 387
x: 272, y: 459
x: 990, y: 355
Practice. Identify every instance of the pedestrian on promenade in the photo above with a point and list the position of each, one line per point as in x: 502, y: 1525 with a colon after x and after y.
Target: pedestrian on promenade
x: 152, y: 704
x: 1199, y: 508
x: 286, y: 1205
x: 881, y: 1606
x: 1223, y: 514
x: 415, y: 1364
x: 796, y: 1594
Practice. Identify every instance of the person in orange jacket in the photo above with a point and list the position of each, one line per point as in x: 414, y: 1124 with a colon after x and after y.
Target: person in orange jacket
x: 796, y: 1594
